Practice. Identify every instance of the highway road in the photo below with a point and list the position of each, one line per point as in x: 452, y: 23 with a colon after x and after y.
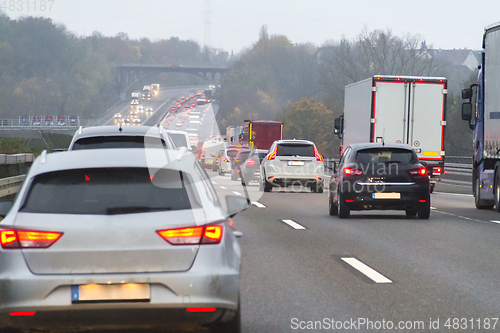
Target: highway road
x: 306, y: 271
x: 299, y: 265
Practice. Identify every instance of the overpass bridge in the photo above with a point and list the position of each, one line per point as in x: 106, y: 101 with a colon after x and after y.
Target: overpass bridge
x: 129, y: 74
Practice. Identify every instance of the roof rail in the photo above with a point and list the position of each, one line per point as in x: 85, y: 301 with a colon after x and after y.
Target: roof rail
x: 80, y: 130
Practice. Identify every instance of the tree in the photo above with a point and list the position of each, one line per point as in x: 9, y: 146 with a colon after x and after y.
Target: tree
x: 310, y: 120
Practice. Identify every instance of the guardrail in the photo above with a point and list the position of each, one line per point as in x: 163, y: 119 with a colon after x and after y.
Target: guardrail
x: 16, y: 124
x: 11, y: 185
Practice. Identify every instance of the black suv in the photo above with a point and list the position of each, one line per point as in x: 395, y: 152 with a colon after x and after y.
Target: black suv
x: 379, y: 176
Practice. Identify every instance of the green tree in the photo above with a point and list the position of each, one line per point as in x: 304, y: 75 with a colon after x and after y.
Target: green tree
x: 309, y: 119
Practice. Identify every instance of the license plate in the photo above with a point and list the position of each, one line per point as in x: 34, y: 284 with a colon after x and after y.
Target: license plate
x: 295, y: 163
x: 111, y: 292
x: 386, y: 195
x: 209, y: 161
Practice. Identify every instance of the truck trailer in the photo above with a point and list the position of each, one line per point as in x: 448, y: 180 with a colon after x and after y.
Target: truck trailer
x: 398, y: 109
x: 260, y: 134
x: 481, y: 111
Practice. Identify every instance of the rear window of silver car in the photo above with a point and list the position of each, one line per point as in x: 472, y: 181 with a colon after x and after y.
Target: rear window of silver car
x: 178, y: 139
x: 386, y: 155
x: 108, y: 191
x: 105, y: 142
x: 295, y: 149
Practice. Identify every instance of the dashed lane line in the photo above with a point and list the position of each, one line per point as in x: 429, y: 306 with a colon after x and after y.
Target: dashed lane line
x: 236, y: 192
x: 366, y: 270
x: 258, y: 204
x: 293, y: 224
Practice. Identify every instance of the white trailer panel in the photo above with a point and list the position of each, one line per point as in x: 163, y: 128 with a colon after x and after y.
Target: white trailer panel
x: 357, y: 112
x: 491, y: 95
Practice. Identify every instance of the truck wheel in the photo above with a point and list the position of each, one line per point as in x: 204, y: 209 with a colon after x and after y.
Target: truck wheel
x: 497, y: 191
x: 344, y: 212
x: 319, y: 189
x: 431, y: 188
x: 333, y: 209
x: 480, y: 203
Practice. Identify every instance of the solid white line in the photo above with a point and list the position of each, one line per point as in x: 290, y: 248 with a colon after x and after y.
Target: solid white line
x: 223, y: 187
x: 258, y: 204
x: 366, y: 270
x: 293, y: 224
x: 495, y: 221
x: 460, y: 194
x: 236, y: 192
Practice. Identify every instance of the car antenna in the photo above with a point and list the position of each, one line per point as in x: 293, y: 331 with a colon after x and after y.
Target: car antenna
x: 120, y: 129
x: 383, y: 138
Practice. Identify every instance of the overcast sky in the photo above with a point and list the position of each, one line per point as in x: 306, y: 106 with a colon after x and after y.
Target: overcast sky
x: 235, y: 24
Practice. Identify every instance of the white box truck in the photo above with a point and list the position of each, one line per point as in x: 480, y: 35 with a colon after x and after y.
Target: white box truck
x: 398, y: 109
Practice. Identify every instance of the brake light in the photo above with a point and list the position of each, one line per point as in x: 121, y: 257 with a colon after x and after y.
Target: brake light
x: 209, y: 234
x: 237, y: 160
x: 272, y: 156
x: 15, y: 239
x: 226, y: 160
x: 437, y: 170
x: 22, y: 313
x: 352, y: 171
x: 420, y: 172
x: 212, y: 234
x: 200, y: 309
x: 251, y: 162
x: 318, y: 156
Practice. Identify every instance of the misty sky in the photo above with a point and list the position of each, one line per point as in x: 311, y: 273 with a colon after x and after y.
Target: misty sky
x: 235, y: 24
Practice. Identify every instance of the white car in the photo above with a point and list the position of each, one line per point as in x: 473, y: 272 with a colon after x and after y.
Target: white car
x: 140, y: 108
x: 136, y: 120
x: 292, y: 162
x: 118, y: 115
x: 180, y: 138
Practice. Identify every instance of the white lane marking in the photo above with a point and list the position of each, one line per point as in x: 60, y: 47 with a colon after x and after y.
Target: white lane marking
x: 460, y: 194
x: 258, y: 204
x: 433, y: 207
x: 366, y: 270
x: 462, y: 217
x: 293, y: 224
x: 236, y: 192
x: 495, y: 221
x: 223, y: 187
x: 213, y: 182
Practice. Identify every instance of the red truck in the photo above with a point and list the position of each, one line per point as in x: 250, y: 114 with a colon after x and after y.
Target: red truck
x: 260, y: 134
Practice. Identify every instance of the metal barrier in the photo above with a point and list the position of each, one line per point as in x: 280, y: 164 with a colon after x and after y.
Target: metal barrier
x: 10, y: 186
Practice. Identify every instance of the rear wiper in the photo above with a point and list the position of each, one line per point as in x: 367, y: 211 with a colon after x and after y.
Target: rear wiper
x: 388, y: 162
x: 134, y: 209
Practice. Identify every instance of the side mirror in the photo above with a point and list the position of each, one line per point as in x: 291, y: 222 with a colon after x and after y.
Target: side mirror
x: 331, y: 165
x: 467, y: 93
x: 5, y: 207
x: 466, y: 111
x: 236, y: 204
x: 339, y: 126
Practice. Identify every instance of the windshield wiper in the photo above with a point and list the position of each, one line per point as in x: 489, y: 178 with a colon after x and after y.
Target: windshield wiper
x: 388, y: 162
x: 134, y: 209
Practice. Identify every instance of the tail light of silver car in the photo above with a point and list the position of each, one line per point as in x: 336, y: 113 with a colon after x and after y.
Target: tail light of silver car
x: 250, y: 162
x: 209, y: 234
x: 272, y: 156
x: 319, y: 158
x: 16, y: 239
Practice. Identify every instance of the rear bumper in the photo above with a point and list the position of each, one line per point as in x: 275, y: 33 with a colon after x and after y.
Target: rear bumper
x: 209, y: 283
x: 411, y: 197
